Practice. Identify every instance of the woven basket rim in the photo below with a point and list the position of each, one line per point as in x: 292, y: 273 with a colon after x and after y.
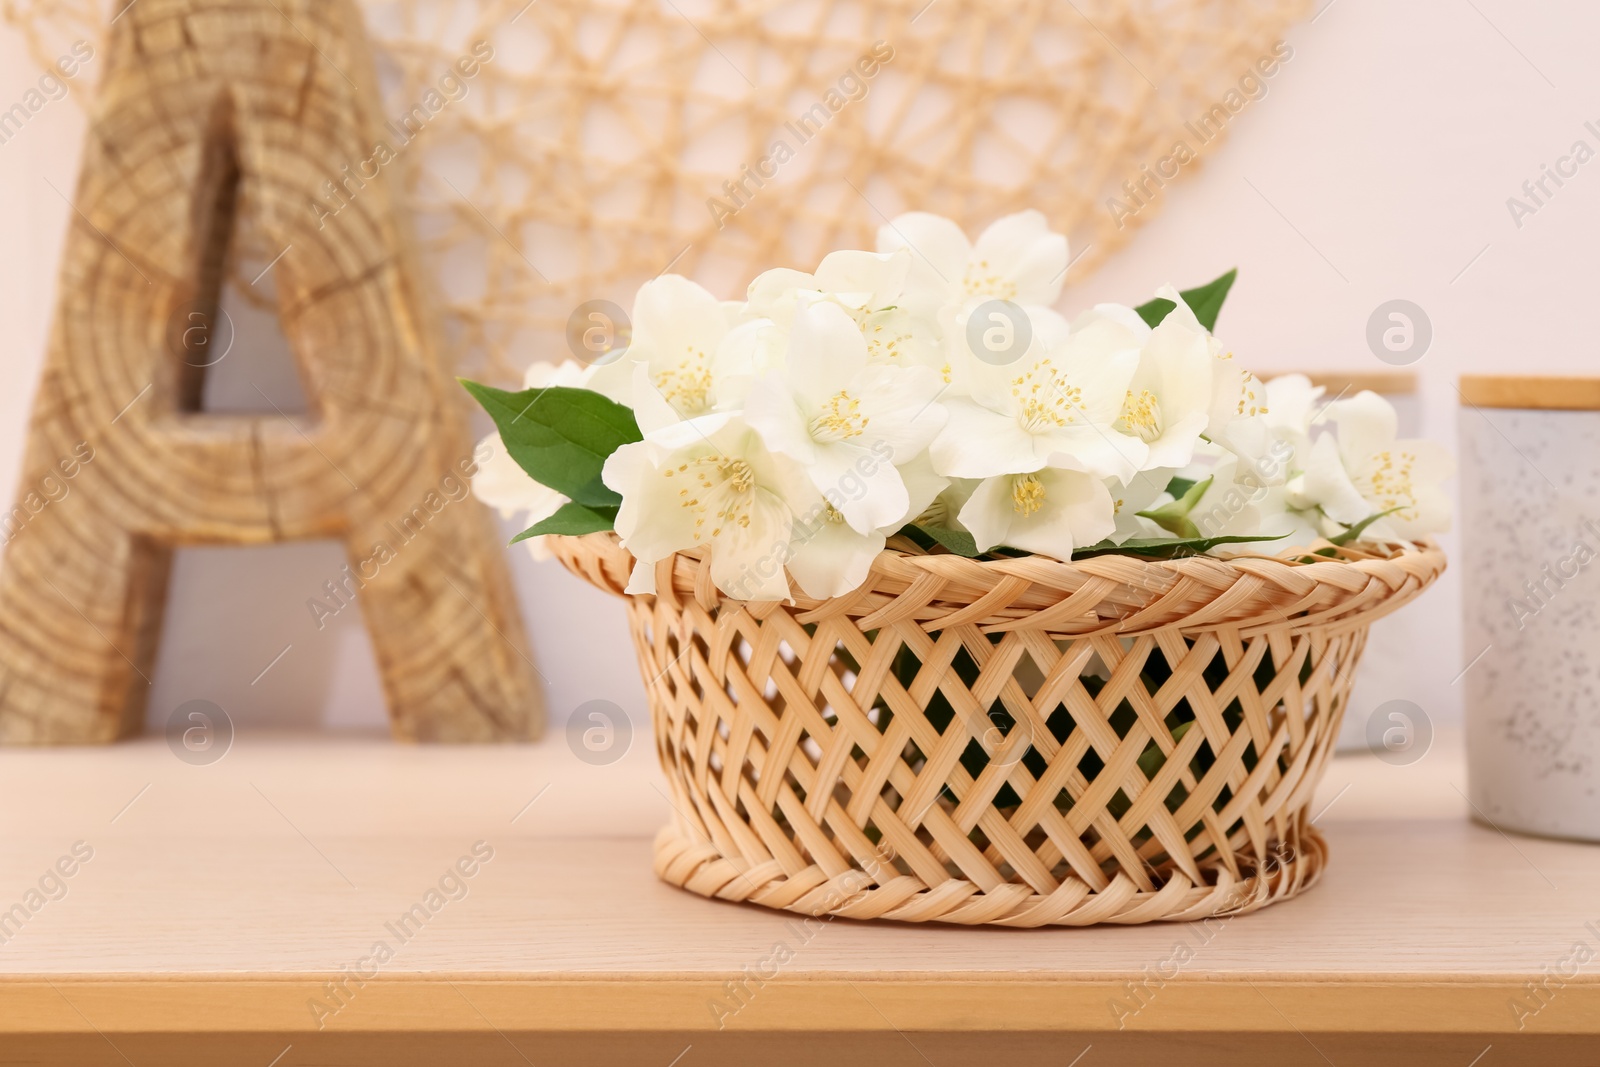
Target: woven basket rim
x: 1111, y: 593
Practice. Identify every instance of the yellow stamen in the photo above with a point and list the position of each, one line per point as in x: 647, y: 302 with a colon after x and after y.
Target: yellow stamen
x: 1141, y: 416
x: 840, y: 420
x: 727, y: 493
x: 1027, y: 495
x: 1045, y: 398
x: 981, y: 280
x: 687, y: 387
x: 1392, y: 483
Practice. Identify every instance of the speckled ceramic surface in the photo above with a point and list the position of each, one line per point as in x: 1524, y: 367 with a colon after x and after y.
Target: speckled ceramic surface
x: 1530, y: 524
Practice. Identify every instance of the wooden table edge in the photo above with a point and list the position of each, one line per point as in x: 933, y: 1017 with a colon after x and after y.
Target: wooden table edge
x: 868, y: 1002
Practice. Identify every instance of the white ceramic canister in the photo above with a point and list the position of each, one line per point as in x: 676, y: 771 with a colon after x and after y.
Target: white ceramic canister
x: 1530, y: 563
x: 1386, y: 672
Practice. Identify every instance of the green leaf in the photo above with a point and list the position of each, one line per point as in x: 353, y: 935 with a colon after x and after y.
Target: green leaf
x: 962, y: 544
x: 1173, y: 517
x: 1167, y: 547
x: 1179, y: 486
x: 1351, y: 533
x: 560, y: 436
x: 1153, y: 311
x: 1204, y: 300
x: 574, y: 519
x: 1152, y: 759
x: 958, y: 541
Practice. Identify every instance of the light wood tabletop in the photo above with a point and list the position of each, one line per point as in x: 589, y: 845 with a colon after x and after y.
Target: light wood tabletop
x: 208, y: 908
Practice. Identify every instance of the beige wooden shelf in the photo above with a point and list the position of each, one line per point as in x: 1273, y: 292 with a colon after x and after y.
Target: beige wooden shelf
x: 221, y: 899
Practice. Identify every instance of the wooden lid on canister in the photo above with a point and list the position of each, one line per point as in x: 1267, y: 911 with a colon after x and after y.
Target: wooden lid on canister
x: 1532, y: 392
x: 1384, y: 383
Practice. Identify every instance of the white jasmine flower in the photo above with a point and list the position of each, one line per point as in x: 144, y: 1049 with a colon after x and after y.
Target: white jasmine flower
x: 966, y: 370
x: 1147, y: 490
x: 925, y: 487
x: 710, y: 483
x: 677, y: 329
x: 749, y: 352
x: 1237, y: 396
x: 846, y: 421
x: 1292, y: 406
x: 1168, y: 402
x: 1017, y: 258
x: 858, y: 281
x: 1057, y: 406
x: 944, y: 507
x: 1278, y: 440
x: 569, y: 373
x: 1366, y: 470
x: 828, y: 558
x: 1240, y: 502
x: 1049, y: 511
x: 870, y: 286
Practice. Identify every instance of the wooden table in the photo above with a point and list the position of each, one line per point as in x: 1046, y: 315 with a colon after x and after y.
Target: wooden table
x: 220, y: 901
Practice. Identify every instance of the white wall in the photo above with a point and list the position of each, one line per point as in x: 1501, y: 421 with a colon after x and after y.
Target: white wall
x: 1378, y: 167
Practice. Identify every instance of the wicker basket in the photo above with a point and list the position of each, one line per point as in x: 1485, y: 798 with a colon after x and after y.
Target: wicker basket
x: 1020, y: 741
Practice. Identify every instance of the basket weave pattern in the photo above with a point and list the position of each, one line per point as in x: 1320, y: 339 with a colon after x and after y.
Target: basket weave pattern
x: 811, y: 772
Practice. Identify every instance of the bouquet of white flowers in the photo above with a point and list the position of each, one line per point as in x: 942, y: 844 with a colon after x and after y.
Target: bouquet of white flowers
x: 999, y: 738
x: 928, y: 391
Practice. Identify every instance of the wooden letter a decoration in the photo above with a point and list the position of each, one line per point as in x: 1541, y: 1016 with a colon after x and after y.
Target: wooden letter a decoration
x: 206, y: 103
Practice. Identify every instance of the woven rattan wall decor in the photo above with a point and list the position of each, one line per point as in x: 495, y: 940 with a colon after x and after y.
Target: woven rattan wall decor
x: 211, y: 108
x: 606, y: 141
